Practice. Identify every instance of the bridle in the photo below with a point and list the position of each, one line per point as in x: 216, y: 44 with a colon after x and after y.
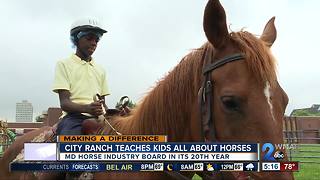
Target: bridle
x: 205, y: 101
x: 205, y: 94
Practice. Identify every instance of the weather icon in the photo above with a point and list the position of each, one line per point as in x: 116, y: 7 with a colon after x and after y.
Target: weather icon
x: 249, y: 167
x: 170, y: 167
x: 210, y: 167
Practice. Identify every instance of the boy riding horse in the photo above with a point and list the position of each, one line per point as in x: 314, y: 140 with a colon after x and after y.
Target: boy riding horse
x: 78, y: 78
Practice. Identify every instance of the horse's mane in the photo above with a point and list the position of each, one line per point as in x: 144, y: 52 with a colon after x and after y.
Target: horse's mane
x: 161, y: 111
x: 166, y: 108
x: 259, y: 59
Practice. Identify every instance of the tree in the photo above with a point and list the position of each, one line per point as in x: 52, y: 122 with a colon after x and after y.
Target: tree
x: 304, y: 112
x: 40, y: 118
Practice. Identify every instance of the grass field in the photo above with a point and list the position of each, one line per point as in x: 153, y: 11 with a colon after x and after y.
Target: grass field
x: 309, y: 158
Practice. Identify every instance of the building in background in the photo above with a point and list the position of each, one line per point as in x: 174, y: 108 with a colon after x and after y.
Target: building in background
x: 48, y: 118
x: 24, y: 111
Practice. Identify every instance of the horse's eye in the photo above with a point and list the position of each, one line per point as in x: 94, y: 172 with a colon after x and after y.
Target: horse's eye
x: 231, y: 103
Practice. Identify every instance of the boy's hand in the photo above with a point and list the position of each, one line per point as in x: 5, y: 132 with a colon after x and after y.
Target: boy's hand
x: 95, y: 108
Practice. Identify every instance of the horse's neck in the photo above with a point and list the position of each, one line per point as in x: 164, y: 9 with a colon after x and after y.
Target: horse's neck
x: 168, y: 107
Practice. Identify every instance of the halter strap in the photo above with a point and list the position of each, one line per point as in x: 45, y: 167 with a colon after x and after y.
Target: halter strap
x: 205, y: 95
x: 221, y: 62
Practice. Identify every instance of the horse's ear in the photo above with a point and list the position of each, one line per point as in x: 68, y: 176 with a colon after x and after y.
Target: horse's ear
x: 214, y: 24
x: 269, y: 34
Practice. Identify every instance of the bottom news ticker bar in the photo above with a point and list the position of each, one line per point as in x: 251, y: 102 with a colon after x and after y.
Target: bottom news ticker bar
x: 148, y: 166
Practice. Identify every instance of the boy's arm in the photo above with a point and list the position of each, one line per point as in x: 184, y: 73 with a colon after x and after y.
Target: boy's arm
x: 68, y: 106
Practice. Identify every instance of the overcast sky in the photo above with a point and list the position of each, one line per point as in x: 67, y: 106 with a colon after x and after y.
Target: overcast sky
x: 145, y: 40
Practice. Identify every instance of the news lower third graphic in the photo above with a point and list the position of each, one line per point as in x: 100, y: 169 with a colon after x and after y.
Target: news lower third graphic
x: 148, y: 153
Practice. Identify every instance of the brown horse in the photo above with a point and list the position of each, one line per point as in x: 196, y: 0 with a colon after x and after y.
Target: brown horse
x: 12, y: 152
x: 248, y: 103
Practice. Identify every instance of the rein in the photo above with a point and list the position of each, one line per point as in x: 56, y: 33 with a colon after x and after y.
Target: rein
x: 102, y: 118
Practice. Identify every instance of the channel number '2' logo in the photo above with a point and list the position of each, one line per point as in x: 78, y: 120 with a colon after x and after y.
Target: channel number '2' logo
x: 268, y: 156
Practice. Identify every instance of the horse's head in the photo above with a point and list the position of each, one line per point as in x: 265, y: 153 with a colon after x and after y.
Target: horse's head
x: 248, y: 103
